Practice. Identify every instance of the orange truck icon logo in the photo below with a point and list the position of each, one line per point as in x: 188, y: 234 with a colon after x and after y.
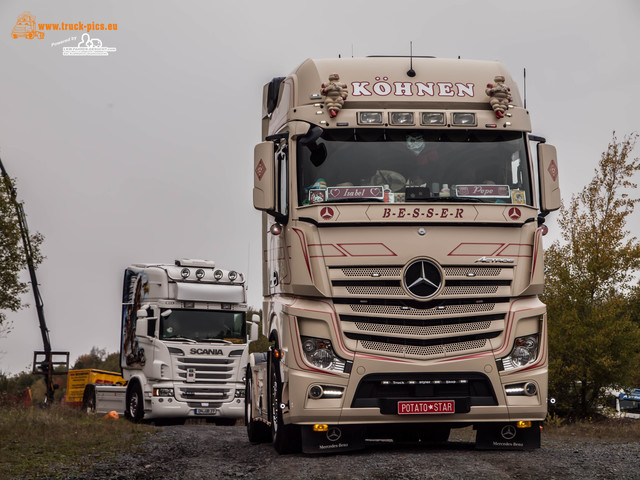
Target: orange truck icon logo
x: 26, y: 27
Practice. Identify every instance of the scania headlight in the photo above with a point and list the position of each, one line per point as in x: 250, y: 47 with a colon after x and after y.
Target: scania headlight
x: 163, y: 392
x: 320, y: 354
x: 525, y: 352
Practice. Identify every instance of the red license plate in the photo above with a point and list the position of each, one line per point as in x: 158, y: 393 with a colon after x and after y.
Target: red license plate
x: 427, y: 407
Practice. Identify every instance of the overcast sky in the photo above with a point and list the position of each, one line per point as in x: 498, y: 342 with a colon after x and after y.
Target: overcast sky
x: 146, y: 155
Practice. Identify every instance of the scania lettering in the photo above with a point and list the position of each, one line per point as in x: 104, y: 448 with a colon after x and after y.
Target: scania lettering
x: 403, y: 204
x: 171, y: 316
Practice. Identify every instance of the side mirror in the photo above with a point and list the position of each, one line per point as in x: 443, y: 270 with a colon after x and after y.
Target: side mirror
x: 253, y: 332
x: 548, y: 177
x: 318, y: 151
x: 142, y: 326
x: 264, y: 197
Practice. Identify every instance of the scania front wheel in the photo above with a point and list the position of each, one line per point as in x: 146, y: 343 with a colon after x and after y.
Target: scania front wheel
x: 134, y: 410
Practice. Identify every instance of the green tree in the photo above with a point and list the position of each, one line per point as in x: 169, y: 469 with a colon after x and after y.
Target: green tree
x: 12, y: 257
x: 594, y: 339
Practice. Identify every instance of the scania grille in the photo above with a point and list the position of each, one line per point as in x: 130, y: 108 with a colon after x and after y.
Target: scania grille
x: 385, y: 390
x: 207, y: 369
x: 386, y: 282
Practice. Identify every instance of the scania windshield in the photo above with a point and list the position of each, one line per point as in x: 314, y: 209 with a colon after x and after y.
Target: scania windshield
x: 202, y: 325
x: 385, y: 165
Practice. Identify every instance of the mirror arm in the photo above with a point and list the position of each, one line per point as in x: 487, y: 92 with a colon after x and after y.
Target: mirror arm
x: 538, y: 139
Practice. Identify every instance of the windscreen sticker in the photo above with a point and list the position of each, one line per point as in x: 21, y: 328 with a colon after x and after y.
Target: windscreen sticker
x: 340, y: 193
x: 477, y: 191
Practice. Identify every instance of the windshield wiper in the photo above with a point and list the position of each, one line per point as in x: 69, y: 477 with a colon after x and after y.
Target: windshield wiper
x: 355, y: 200
x: 213, y: 340
x: 449, y: 199
x: 179, y: 338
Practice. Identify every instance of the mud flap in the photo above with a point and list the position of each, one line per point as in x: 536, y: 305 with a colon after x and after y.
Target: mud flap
x: 506, y: 436
x: 337, y: 438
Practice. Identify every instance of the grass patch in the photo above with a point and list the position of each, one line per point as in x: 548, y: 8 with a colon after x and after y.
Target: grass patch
x: 610, y: 429
x: 37, y: 443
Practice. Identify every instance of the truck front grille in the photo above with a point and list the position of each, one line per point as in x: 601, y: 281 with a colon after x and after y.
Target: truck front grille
x: 377, y: 314
x: 207, y: 369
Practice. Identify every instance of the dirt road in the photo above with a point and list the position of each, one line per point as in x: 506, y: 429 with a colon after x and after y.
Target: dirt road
x: 216, y: 452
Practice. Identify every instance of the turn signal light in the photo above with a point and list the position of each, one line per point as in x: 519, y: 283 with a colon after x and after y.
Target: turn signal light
x: 320, y: 428
x: 523, y: 424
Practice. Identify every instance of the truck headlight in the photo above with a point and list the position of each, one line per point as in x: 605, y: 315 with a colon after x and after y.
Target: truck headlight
x: 163, y: 392
x: 525, y: 352
x: 320, y: 354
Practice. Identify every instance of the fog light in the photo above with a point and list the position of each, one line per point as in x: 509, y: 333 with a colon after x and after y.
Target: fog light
x: 370, y: 118
x: 199, y: 274
x: 433, y: 118
x: 233, y: 275
x: 530, y: 389
x: 315, y: 391
x: 401, y: 118
x: 320, y: 428
x: 185, y: 272
x: 217, y: 274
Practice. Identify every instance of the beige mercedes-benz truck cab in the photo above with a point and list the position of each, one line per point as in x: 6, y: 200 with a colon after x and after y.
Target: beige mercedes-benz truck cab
x: 403, y: 206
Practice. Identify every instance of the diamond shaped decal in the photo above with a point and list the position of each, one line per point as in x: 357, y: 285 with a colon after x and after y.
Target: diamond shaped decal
x: 261, y: 169
x: 553, y: 170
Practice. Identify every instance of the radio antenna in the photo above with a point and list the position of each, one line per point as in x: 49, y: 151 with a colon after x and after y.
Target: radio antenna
x: 525, y: 88
x: 411, y: 72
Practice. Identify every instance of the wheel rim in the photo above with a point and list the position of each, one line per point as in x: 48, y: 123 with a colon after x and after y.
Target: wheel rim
x: 133, y: 405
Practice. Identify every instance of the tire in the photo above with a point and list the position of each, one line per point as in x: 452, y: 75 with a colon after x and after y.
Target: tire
x: 89, y: 399
x: 134, y: 408
x: 258, y: 432
x: 286, y: 438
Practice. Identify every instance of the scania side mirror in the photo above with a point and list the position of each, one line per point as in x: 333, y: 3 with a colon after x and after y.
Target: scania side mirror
x: 550, y: 199
x: 253, y: 332
x: 264, y: 197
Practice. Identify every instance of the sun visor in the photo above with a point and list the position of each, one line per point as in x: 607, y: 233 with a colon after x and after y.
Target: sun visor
x: 206, y: 292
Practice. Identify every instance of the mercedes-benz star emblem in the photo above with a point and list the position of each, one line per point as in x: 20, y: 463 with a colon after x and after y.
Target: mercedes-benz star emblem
x: 508, y: 432
x: 422, y: 279
x: 334, y: 434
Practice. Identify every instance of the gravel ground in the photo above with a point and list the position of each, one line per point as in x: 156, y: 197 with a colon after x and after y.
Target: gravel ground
x: 217, y: 452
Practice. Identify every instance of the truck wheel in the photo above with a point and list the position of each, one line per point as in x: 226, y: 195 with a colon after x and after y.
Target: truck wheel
x: 134, y: 408
x: 89, y: 399
x: 258, y: 432
x: 286, y: 438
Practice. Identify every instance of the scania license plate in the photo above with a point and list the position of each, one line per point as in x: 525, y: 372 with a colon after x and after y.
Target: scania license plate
x: 426, y: 407
x: 205, y: 411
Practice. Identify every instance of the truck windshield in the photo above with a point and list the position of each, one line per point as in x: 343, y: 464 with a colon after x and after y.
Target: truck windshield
x: 383, y: 165
x: 203, y: 325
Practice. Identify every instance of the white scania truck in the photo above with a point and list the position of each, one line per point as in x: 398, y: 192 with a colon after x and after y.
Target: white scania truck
x: 183, y: 344
x: 403, y: 214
